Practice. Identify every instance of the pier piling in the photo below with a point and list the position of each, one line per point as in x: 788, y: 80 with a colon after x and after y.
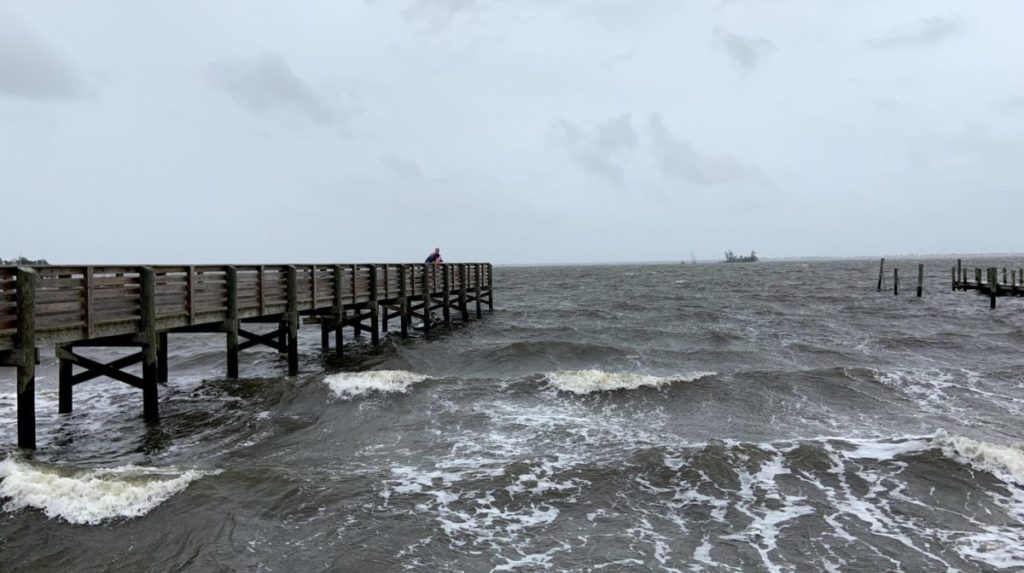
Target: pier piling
x: 25, y: 345
x: 881, y: 275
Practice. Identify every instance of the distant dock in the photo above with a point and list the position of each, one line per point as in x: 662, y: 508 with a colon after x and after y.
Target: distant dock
x: 987, y: 281
x: 137, y: 307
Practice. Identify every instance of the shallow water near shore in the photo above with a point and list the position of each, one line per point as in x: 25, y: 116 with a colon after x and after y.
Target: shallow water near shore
x: 777, y: 416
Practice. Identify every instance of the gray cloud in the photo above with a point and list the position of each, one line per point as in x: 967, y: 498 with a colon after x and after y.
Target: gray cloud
x: 601, y: 151
x: 746, y: 52
x: 401, y: 166
x: 678, y: 160
x: 927, y: 31
x: 267, y: 85
x: 31, y: 69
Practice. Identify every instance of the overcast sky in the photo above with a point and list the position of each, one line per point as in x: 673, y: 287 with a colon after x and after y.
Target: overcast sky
x: 508, y: 131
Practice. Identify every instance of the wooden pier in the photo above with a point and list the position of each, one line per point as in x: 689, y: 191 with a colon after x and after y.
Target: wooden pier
x: 136, y: 307
x: 988, y: 281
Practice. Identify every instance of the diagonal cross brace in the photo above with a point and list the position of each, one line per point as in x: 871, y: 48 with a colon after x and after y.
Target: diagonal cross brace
x: 100, y: 369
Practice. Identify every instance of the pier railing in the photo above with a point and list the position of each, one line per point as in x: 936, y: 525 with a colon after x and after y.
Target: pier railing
x: 83, y: 302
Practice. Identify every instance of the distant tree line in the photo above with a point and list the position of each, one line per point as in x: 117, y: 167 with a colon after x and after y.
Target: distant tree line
x: 22, y: 261
x: 731, y: 257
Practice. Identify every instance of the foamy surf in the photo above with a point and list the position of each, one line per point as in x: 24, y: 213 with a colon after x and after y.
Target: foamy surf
x: 348, y: 385
x: 590, y: 381
x: 92, y: 496
x: 1005, y: 462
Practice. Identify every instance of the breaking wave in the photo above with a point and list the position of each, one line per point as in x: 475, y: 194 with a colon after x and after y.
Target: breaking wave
x: 349, y: 385
x: 91, y: 496
x: 590, y: 381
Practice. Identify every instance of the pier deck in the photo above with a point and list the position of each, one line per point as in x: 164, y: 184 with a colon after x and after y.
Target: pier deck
x: 137, y: 306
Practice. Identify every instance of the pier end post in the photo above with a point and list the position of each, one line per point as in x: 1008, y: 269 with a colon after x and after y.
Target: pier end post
x: 881, y: 276
x: 339, y: 311
x: 446, y: 284
x: 374, y: 307
x: 231, y: 322
x: 490, y: 286
x: 292, y: 314
x: 25, y: 343
x: 920, y: 279
x: 426, y: 297
x: 150, y: 344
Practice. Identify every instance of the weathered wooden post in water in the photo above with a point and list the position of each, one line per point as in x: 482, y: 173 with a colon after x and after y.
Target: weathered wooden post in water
x: 895, y: 282
x: 920, y: 279
x: 881, y: 277
x: 148, y: 337
x: 338, y: 310
x: 993, y: 286
x: 231, y: 322
x: 292, y: 313
x: 25, y: 357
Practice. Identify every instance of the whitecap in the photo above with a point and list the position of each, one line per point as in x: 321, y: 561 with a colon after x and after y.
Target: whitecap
x: 589, y: 381
x: 88, y: 497
x: 1006, y: 462
x: 348, y: 385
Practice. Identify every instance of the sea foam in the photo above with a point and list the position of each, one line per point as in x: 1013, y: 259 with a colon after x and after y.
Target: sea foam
x: 91, y: 496
x: 348, y: 385
x: 589, y: 381
x: 1006, y: 462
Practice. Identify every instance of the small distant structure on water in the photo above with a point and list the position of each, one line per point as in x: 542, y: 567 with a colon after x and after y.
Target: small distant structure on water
x: 730, y: 257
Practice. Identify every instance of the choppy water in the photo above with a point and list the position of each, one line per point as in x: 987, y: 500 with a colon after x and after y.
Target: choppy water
x: 768, y: 417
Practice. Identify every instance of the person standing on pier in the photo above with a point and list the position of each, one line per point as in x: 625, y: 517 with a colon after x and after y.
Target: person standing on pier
x: 435, y: 257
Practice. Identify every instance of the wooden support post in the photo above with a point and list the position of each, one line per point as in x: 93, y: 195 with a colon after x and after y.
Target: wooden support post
x: 993, y: 278
x: 426, y: 297
x: 895, y: 281
x: 952, y: 273
x: 977, y: 276
x: 463, y: 308
x: 65, y: 392
x: 90, y: 319
x: 881, y: 270
x: 339, y: 310
x: 387, y: 297
x: 959, y: 272
x: 161, y: 359
x: 190, y: 294
x: 282, y: 336
x: 1004, y: 275
x: 920, y: 279
x: 25, y: 347
x: 358, y: 324
x: 403, y: 299
x: 479, y: 289
x: 231, y: 324
x: 490, y: 286
x: 446, y: 308
x: 147, y: 336
x: 293, y: 321
x: 374, y: 307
